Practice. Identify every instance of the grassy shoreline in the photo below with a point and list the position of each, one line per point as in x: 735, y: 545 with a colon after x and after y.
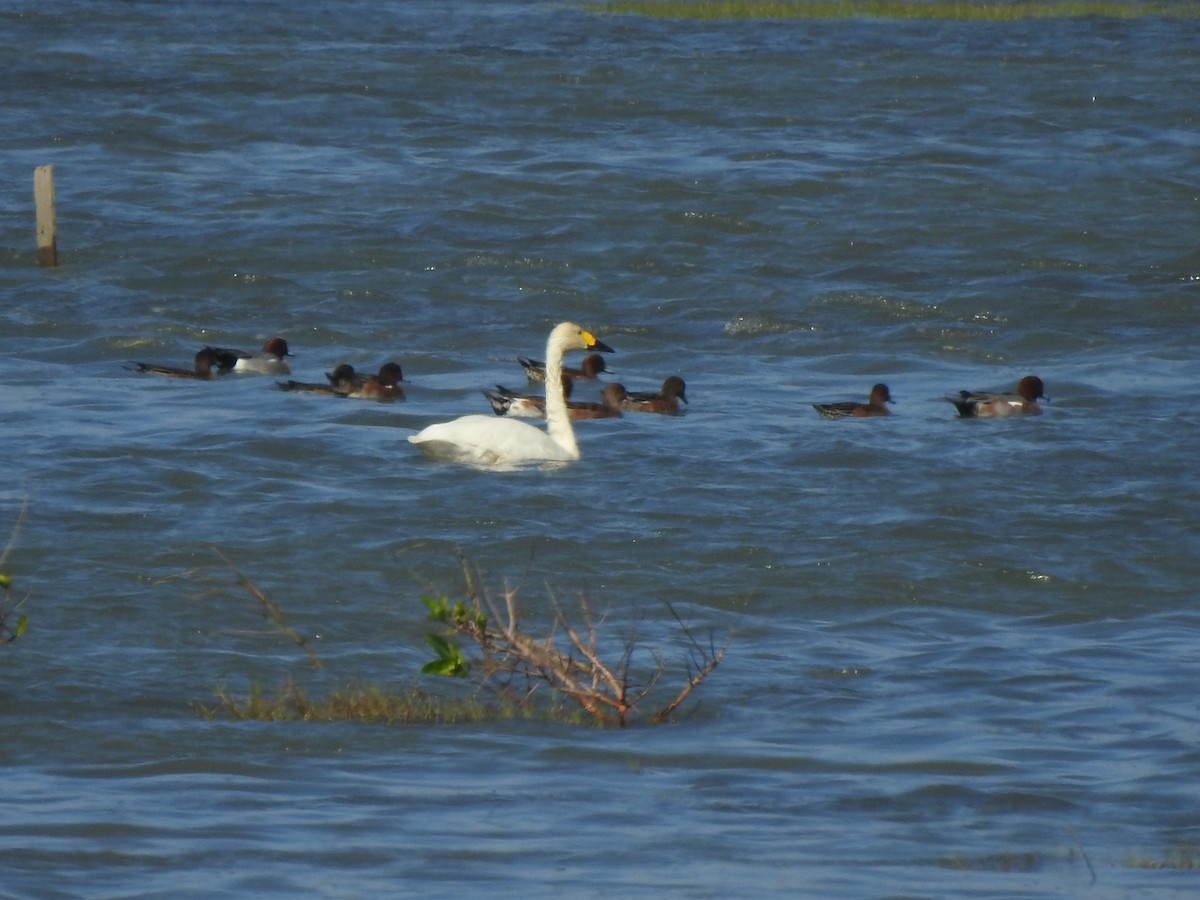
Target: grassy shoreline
x: 950, y: 10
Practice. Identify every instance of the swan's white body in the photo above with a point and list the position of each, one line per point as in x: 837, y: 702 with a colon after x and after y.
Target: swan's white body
x: 505, y: 442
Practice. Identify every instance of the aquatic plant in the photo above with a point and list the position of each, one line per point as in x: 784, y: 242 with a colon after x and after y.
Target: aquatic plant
x: 567, y: 659
x: 515, y: 675
x: 1005, y: 861
x: 358, y: 703
x: 957, y: 10
x: 11, y: 630
x: 1183, y: 857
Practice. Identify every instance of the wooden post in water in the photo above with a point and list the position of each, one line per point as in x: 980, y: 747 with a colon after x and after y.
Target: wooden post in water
x: 47, y: 229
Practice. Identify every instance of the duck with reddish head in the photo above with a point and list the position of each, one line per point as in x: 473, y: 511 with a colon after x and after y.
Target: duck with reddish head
x: 991, y: 405
x: 202, y: 369
x: 269, y: 361
x: 343, y: 381
x: 383, y: 386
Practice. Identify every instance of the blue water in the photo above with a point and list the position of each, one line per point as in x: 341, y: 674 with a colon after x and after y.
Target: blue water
x: 962, y: 655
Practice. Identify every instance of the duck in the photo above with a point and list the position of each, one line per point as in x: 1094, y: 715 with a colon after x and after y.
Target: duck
x: 989, y: 405
x: 590, y: 368
x: 343, y: 381
x: 270, y: 361
x: 876, y: 405
x: 665, y: 401
x: 611, y: 404
x: 328, y: 388
x: 507, y: 402
x: 503, y: 442
x: 342, y: 374
x: 202, y: 370
x: 383, y: 386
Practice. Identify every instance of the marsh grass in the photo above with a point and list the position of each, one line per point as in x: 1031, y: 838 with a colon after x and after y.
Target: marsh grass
x: 1031, y: 861
x: 950, y: 10
x: 369, y: 704
x: 358, y: 703
x: 1184, y: 857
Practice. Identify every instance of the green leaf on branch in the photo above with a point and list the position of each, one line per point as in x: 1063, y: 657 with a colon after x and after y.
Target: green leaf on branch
x: 439, y: 610
x: 449, y: 660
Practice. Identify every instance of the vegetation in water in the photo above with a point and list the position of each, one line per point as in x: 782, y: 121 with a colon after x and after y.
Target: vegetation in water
x: 955, y: 10
x: 362, y: 703
x: 10, y: 628
x: 570, y: 670
x: 571, y: 660
x: 1183, y: 857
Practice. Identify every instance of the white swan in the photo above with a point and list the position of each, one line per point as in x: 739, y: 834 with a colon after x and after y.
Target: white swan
x: 492, y: 441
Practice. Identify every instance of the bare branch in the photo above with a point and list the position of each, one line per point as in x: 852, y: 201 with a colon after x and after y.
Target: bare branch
x: 705, y: 661
x: 16, y: 530
x: 270, y: 610
x: 568, y: 658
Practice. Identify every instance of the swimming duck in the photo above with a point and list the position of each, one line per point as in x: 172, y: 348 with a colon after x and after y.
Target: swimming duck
x: 203, y: 368
x: 343, y: 381
x: 665, y: 401
x: 611, y: 403
x: 876, y: 405
x: 589, y: 369
x: 383, y: 386
x: 328, y: 388
x: 987, y: 405
x: 270, y: 361
x: 342, y: 374
x: 507, y: 402
x: 502, y: 441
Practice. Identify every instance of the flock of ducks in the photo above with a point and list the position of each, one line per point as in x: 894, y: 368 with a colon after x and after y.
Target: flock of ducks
x: 502, y: 440
x: 497, y: 440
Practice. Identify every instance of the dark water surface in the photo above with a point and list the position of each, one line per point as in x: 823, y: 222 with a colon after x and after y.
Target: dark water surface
x: 965, y: 653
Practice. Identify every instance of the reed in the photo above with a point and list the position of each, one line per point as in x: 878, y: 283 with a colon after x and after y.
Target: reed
x: 950, y: 10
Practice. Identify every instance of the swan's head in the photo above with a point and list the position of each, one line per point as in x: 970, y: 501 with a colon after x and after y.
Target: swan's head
x: 570, y: 336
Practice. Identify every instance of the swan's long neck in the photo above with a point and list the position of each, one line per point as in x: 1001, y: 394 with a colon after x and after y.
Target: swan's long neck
x: 558, y: 420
